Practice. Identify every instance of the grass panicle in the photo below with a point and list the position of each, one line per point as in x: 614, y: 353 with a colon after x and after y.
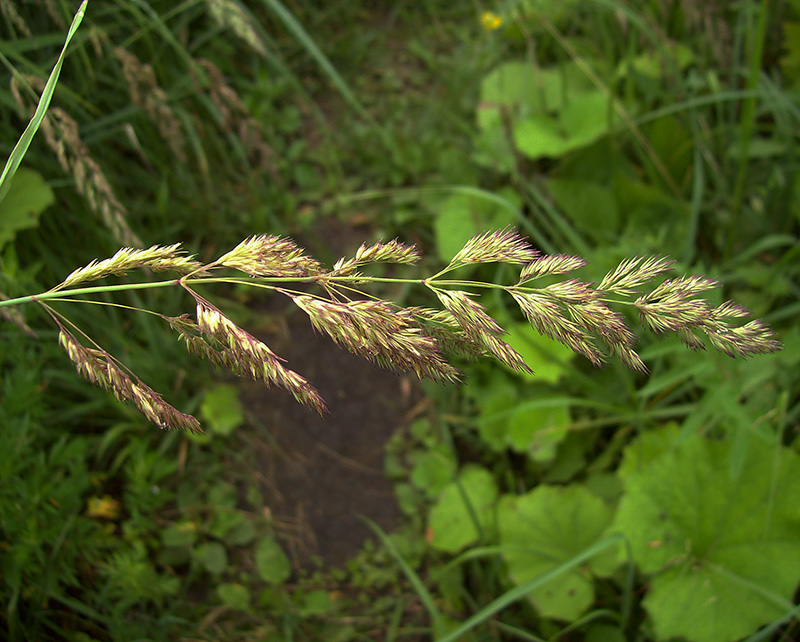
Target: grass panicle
x: 61, y: 133
x: 148, y: 96
x: 408, y: 339
x: 235, y: 118
x: 550, y: 264
x: 632, y: 273
x: 505, y: 246
x: 230, y: 15
x: 480, y: 327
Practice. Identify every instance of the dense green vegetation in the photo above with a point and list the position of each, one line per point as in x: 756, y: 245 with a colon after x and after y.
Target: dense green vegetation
x: 574, y: 503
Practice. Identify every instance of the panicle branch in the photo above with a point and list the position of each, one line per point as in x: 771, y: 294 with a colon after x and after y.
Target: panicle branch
x: 245, y: 355
x: 632, y: 273
x: 266, y: 256
x: 392, y: 252
x: 98, y: 367
x: 157, y: 258
x: 505, y: 246
x: 481, y: 328
x: 550, y: 264
x: 381, y: 332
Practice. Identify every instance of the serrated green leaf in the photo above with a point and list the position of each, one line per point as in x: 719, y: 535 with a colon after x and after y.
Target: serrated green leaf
x: 545, y: 528
x: 271, y: 561
x: 725, y: 549
x: 452, y: 520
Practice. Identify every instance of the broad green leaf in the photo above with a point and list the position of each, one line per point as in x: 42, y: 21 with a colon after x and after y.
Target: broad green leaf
x: 654, y: 64
x: 452, y: 521
x: 537, y: 427
x: 646, y: 447
x: 28, y: 196
x: 432, y: 470
x: 725, y: 550
x: 271, y: 561
x: 582, y: 119
x: 222, y: 410
x: 212, y: 557
x: 234, y: 595
x: 224, y: 521
x: 242, y: 533
x: 547, y: 527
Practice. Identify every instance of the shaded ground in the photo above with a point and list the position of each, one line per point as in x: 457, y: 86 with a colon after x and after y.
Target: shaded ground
x: 320, y: 473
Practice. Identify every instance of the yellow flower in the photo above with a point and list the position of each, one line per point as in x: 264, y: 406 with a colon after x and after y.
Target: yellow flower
x: 105, y: 507
x: 491, y: 21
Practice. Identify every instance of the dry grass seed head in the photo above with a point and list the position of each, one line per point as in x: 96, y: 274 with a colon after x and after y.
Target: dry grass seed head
x: 13, y: 17
x: 61, y: 134
x: 153, y: 100
x: 230, y: 15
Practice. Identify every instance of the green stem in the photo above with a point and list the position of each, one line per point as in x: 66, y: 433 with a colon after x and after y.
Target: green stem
x: 57, y: 294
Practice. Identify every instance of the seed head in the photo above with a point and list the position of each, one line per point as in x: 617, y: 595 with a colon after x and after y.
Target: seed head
x: 269, y: 256
x: 240, y: 351
x: 392, y: 252
x: 98, y: 367
x: 505, y: 246
x: 550, y: 264
x: 381, y: 332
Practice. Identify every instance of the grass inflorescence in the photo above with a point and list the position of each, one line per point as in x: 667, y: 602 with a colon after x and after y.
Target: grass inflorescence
x: 405, y: 339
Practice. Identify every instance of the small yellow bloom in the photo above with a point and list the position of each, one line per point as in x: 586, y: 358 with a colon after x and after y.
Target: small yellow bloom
x: 105, y: 507
x: 491, y: 21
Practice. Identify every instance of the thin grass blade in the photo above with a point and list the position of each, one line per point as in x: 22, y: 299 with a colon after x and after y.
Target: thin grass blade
x: 21, y: 148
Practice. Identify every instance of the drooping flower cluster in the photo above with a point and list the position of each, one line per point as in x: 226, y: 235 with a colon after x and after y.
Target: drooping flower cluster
x: 414, y: 339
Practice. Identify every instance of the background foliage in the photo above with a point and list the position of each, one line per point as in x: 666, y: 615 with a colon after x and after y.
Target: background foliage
x: 574, y: 504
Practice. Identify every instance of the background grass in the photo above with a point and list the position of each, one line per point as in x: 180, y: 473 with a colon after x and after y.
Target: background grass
x: 410, y: 120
